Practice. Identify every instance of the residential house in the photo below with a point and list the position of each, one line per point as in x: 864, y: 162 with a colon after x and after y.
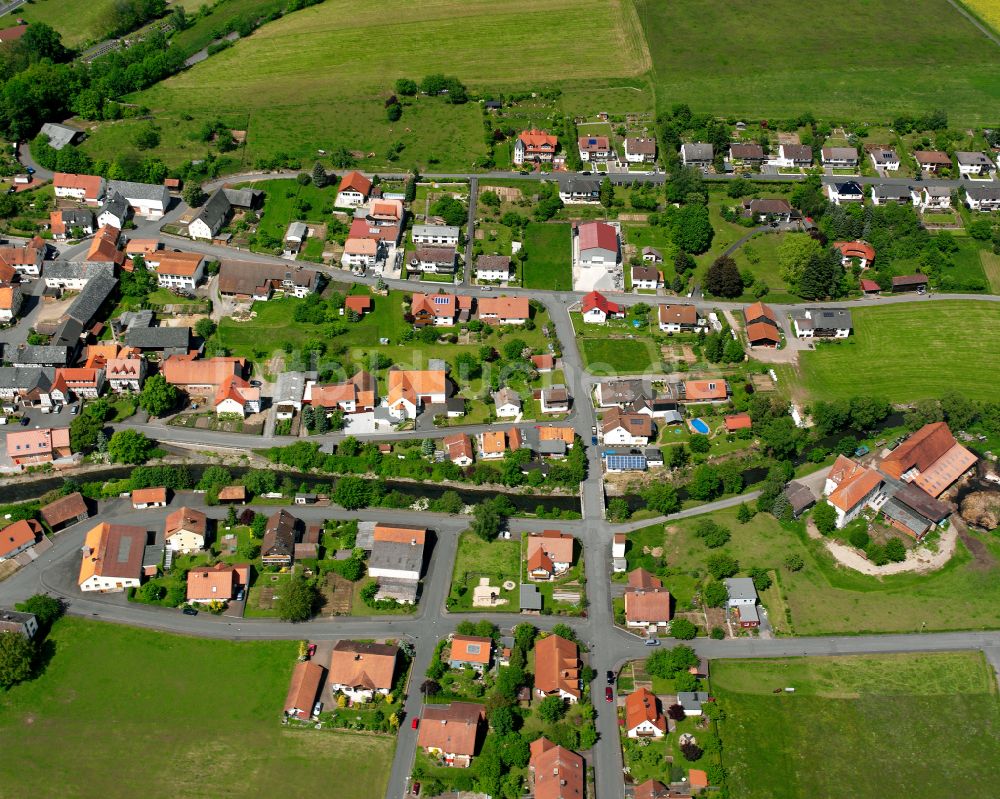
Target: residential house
x: 10, y: 303
x: 218, y: 583
x: 697, y: 154
x: 651, y: 789
x: 663, y: 408
x: 385, y: 213
x: 504, y: 310
x: 840, y: 157
x: 535, y: 146
x: 436, y: 309
x: 932, y: 161
x: 180, y: 270
x: 307, y: 677
x: 492, y: 444
x: 13, y: 621
x: 799, y: 497
x: 850, y: 487
x: 596, y: 244
x: 823, y: 323
x: 974, y: 163
x: 25, y: 260
x: 767, y: 210
x: 104, y: 246
x: 71, y: 223
x: 554, y: 399
x: 74, y: 275
x: 858, y: 250
x: 470, y: 650
x: 692, y: 702
x: 647, y: 602
x: 639, y: 150
x: 236, y: 396
x: 737, y: 421
x: 741, y: 601
x: 578, y: 190
x: 679, y: 319
x: 125, y: 374
x: 29, y: 355
x: 397, y: 552
x: 278, y: 545
x: 507, y: 402
x: 29, y: 385
x: 846, y: 192
x: 172, y: 342
x: 295, y: 236
x: 594, y: 149
x: 411, y: 390
x: 549, y: 554
x: 83, y: 188
x: 596, y: 308
x: 556, y: 772
x: 557, y: 668
x: 211, y: 217
x: 458, y: 449
x: 435, y: 260
x: 884, y: 158
x: 982, y: 198
x: 610, y: 393
x: 245, y: 280
x: 200, y: 376
x: 36, y: 447
x: 353, y: 191
x: 794, y: 155
x: 186, y: 530
x: 626, y: 429
x: 886, y: 194
x: 112, y: 558
x: 931, y: 198
x: 746, y: 154
x: 902, y: 283
x: 493, y: 268
x: 543, y: 363
x: 145, y: 199
x: 652, y: 255
x: 438, y: 235
x: 357, y: 395
x: 79, y: 382
x: 705, y: 390
x: 155, y: 497
x: 20, y: 536
x: 931, y: 459
x: 452, y: 732
x: 65, y: 511
x: 114, y: 211
x: 360, y: 670
x: 643, y: 715
x: 761, y: 326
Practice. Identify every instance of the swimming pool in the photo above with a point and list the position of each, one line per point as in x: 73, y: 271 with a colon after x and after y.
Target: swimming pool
x: 700, y: 426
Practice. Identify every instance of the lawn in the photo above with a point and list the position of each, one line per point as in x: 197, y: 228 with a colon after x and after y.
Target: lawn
x: 304, y: 84
x: 550, y: 255
x: 922, y: 725
x: 608, y: 356
x: 498, y: 559
x: 283, y: 200
x: 77, y: 23
x: 991, y: 268
x: 216, y: 704
x: 823, y: 598
x: 908, y: 352
x: 729, y: 63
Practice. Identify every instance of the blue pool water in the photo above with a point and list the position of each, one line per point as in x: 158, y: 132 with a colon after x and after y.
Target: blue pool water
x: 700, y: 426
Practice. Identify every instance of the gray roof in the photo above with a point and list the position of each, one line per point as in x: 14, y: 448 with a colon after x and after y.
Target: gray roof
x: 65, y: 270
x: 402, y: 557
x: 672, y: 417
x: 840, y: 153
x: 152, y: 555
x: 396, y: 588
x: 623, y: 391
x: 435, y: 230
x: 493, y: 263
x: 141, y: 191
x: 918, y: 501
x: 826, y: 318
x: 26, y: 378
x: 740, y: 588
x: 59, y: 135
x: 937, y: 191
x: 68, y: 333
x: 891, y: 192
x: 296, y: 230
x: 799, y: 496
x: 530, y: 597
x: 697, y: 151
x: 580, y: 185
x: 116, y: 204
x: 215, y: 210
x: 691, y: 700
x: 653, y: 454
x: 90, y: 299
x: 884, y: 155
x: 243, y: 198
x: 291, y: 386
x: 973, y: 159
x: 79, y: 217
x: 553, y: 447
x: 159, y: 338
x: 983, y: 192
x: 507, y: 396
x: 897, y: 511
x: 366, y: 536
x: 41, y: 355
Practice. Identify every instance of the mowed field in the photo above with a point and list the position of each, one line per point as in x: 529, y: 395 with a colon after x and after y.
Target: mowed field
x: 782, y: 58
x: 923, y: 726
x: 77, y: 21
x: 318, y: 78
x: 119, y: 708
x: 909, y: 352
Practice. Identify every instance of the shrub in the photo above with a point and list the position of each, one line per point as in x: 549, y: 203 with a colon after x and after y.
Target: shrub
x: 794, y: 562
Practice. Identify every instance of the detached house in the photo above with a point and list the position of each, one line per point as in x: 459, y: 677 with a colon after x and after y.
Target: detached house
x: 458, y: 449
x: 846, y: 192
x: 504, y: 310
x: 974, y: 163
x: 931, y: 161
x: 83, y: 188
x: 238, y: 397
x: 353, y: 191
x: 508, y: 403
x: 645, y: 278
x: 278, y: 545
x: 535, y: 146
x: 748, y: 154
x: 679, y: 319
x: 435, y: 260
x: 549, y: 554
x: 886, y: 194
x: 556, y: 772
x: 145, y: 199
x: 186, y: 530
x: 840, y: 157
x: 360, y: 670
x: 440, y: 235
x: 697, y: 154
x: 470, y: 650
x: 643, y: 716
x: 580, y: 190
x: 626, y: 429
x: 596, y: 308
x: 411, y: 391
x: 211, y: 216
x: 180, y: 270
x: 862, y: 251
x: 554, y: 399
x: 982, y: 198
x: 17, y: 537
x: 850, y: 487
x: 35, y: 447
x: 884, y: 158
x: 557, y: 668
x: 594, y: 149
x: 357, y: 395
x: 112, y: 558
x: 823, y: 323
x: 452, y: 732
x: 931, y: 198
x: 436, y: 309
x: 493, y: 268
x: 705, y: 391
x: 762, y: 325
x: 742, y: 602
x: 794, y: 155
x: 647, y: 602
x: 218, y: 583
x: 638, y: 151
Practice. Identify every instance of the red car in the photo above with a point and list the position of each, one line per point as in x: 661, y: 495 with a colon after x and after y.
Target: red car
x: 415, y: 723
x: 312, y: 649
x: 609, y: 694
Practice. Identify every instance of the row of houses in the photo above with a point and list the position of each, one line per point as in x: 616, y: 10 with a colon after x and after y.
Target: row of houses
x: 923, y: 198
x: 116, y: 199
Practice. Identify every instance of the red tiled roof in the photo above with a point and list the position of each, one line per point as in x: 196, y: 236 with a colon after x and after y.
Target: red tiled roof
x: 557, y: 666
x: 642, y: 705
x: 856, y: 249
x: 19, y: 534
x: 306, y: 679
x: 869, y: 285
x: 597, y: 234
x: 597, y: 300
x: 738, y: 421
x: 558, y: 772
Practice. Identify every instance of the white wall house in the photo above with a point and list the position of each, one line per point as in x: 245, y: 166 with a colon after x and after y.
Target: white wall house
x: 443, y: 235
x: 931, y: 198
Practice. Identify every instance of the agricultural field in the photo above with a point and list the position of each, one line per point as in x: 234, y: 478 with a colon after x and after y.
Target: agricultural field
x: 703, y: 60
x: 212, y: 703
x: 549, y: 249
x: 906, y: 352
x: 987, y: 10
x: 870, y: 717
x: 77, y: 23
x: 304, y: 85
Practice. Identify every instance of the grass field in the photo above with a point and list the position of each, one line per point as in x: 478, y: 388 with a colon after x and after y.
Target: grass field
x: 921, y: 726
x: 78, y: 23
x: 549, y: 264
x: 742, y: 60
x: 192, y: 717
x: 907, y: 352
x: 305, y: 84
x: 499, y: 560
x: 280, y: 205
x: 991, y: 268
x: 618, y: 356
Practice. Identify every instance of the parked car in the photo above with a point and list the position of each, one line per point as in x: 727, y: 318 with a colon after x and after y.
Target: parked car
x: 609, y: 695
x: 611, y: 677
x: 240, y: 595
x: 190, y: 612
x: 317, y: 708
x: 256, y: 383
x: 74, y: 410
x: 415, y: 723
x: 25, y: 421
x: 416, y: 789
x: 653, y: 642
x: 312, y: 649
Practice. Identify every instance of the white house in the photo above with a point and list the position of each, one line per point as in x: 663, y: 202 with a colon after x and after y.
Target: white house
x: 83, y: 188
x: 508, y: 403
x: 146, y: 199
x: 360, y: 253
x: 112, y: 558
x: 360, y: 670
x: 931, y: 198
x: 596, y: 308
x: 840, y: 157
x: 692, y: 701
x: 125, y: 374
x: 887, y: 194
x: 626, y: 429
x: 618, y: 553
x: 645, y: 278
x: 185, y: 530
x: 974, y: 163
x: 982, y: 198
x: 294, y: 238
x: 442, y: 235
x: 353, y: 191
x: 180, y: 270
x: 594, y: 148
x: 211, y: 216
x: 847, y: 192
x: 638, y: 150
x: 114, y: 212
x: 237, y: 396
x: 850, y: 487
x: 823, y: 323
x: 10, y: 302
x: 580, y: 190
x: 793, y: 155
x: 493, y: 268
x: 643, y: 718
x: 697, y: 154
x: 884, y: 158
x: 435, y: 260
x: 679, y: 319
